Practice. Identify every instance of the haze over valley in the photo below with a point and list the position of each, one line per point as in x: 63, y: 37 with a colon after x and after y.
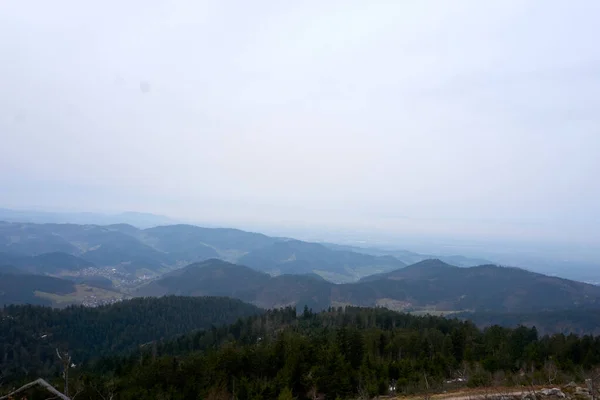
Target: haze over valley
x: 314, y: 200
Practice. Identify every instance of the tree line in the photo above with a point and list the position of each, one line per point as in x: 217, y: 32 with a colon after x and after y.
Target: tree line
x: 338, y: 353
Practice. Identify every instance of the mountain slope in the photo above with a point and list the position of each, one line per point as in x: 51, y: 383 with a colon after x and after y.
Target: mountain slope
x: 127, y: 247
x: 135, y: 251
x: 210, y: 242
x: 486, y: 287
x: 46, y: 263
x: 428, y: 285
x: 92, y: 333
x: 298, y: 257
x: 410, y: 257
x: 219, y: 278
x: 32, y: 239
x: 212, y: 277
x: 102, y: 246
x: 577, y: 321
x: 22, y: 288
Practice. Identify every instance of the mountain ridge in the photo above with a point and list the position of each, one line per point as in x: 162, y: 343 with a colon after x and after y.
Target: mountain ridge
x: 428, y: 285
x: 157, y: 250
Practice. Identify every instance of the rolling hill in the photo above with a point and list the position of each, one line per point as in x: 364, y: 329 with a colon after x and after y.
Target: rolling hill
x: 212, y: 277
x: 219, y: 278
x: 163, y: 248
x: 430, y: 285
x: 410, y: 257
x: 298, y: 257
x: 486, y: 287
x: 45, y: 263
x: 25, y: 288
x: 191, y: 242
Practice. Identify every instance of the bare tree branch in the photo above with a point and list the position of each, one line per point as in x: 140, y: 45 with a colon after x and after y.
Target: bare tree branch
x: 39, y: 382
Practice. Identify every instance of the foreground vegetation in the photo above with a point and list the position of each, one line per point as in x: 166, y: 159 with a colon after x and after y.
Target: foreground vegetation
x: 339, y: 353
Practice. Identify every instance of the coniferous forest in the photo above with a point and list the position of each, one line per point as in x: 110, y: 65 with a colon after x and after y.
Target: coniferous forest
x: 338, y: 353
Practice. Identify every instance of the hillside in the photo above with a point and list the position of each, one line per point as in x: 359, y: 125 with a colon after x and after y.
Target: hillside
x: 212, y: 277
x: 346, y: 353
x: 430, y: 285
x: 410, y: 257
x: 486, y: 287
x: 24, y: 288
x: 571, y: 321
x: 298, y: 257
x: 220, y: 278
x: 91, y: 333
x: 221, y: 238
x: 46, y: 263
x: 134, y: 253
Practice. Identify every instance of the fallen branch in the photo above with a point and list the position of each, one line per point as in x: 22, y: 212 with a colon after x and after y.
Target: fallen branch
x: 39, y: 382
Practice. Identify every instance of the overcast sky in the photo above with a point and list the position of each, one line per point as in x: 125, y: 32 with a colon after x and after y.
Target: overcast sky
x: 454, y: 117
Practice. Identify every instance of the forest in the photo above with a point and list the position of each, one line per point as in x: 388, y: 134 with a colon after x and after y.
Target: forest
x: 30, y: 335
x: 338, y: 353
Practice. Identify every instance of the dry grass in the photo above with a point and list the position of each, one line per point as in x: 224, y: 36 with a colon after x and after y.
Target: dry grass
x: 81, y: 293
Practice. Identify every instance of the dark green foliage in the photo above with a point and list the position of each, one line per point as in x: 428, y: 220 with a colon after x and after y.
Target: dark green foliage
x: 340, y: 353
x: 580, y: 321
x: 220, y: 278
x: 212, y: 277
x: 428, y: 284
x: 29, y: 335
x: 482, y: 288
x: 21, y: 288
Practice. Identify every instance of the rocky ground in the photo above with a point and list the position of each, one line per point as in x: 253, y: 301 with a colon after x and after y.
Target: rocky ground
x: 571, y: 391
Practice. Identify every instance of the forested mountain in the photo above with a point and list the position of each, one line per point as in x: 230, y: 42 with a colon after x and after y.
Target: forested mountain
x: 579, y: 321
x: 22, y: 288
x: 430, y: 285
x: 30, y: 334
x: 128, y: 257
x: 46, y: 263
x: 212, y: 277
x: 159, y: 249
x: 297, y: 257
x: 488, y: 287
x: 410, y: 257
x: 339, y: 353
x: 220, y: 278
x: 225, y: 240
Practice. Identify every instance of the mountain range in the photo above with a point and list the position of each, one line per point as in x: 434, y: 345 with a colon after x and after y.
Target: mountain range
x: 156, y: 250
x: 60, y: 264
x: 430, y: 285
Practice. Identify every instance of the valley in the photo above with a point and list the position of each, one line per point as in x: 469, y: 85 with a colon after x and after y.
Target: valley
x: 130, y: 304
x: 108, y: 264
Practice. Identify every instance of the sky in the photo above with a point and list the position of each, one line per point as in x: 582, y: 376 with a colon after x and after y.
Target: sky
x: 461, y: 118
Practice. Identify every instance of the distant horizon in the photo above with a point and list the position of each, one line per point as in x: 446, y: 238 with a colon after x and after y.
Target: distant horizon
x: 419, y: 242
x: 314, y: 228
x: 571, y: 260
x: 475, y: 121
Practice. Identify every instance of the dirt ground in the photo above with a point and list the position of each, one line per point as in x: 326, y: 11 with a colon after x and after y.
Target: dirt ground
x: 472, y: 394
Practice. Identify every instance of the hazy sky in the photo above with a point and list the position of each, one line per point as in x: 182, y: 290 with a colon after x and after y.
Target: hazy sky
x: 445, y: 117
